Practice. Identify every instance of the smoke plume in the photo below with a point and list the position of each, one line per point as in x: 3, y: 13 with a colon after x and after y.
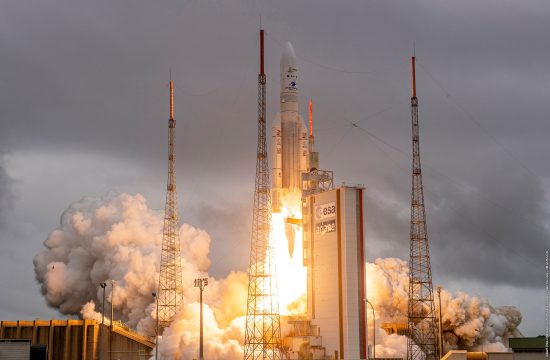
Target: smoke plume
x: 469, y: 322
x: 117, y: 237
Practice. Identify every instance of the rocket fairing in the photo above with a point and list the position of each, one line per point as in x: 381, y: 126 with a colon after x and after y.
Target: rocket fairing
x: 290, y: 143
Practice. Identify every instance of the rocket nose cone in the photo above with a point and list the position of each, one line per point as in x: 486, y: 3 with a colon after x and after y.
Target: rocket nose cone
x: 288, y: 55
x: 289, y: 71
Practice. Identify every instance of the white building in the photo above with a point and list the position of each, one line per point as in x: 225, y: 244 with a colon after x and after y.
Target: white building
x: 334, y: 251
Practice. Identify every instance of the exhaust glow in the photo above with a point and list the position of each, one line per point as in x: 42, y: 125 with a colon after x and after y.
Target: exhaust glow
x: 291, y: 274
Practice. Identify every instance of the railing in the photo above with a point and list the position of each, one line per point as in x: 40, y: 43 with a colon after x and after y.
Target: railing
x: 122, y: 325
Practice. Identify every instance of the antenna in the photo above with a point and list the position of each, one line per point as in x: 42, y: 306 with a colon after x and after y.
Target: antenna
x: 310, y: 118
x: 262, y: 51
x: 171, y: 98
x: 311, y: 138
x: 422, y: 340
x: 263, y: 332
x: 413, y: 78
x: 170, y: 290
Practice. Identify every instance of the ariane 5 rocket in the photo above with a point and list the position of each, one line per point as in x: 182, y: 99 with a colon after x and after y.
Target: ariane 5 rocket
x: 289, y: 135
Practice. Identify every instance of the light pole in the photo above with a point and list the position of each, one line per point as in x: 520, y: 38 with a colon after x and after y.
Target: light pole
x: 373, y: 330
x: 440, y: 324
x: 201, y: 284
x: 103, y: 286
x: 112, y: 306
x: 112, y: 320
x: 101, y: 327
x: 157, y: 329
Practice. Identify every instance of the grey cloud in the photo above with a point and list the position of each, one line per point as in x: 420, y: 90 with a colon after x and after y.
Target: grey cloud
x: 6, y: 193
x: 90, y: 77
x: 494, y: 233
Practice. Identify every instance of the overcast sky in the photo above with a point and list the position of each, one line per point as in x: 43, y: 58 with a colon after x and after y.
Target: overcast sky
x: 83, y: 111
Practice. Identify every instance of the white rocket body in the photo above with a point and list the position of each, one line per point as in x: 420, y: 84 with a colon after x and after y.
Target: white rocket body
x: 290, y: 151
x: 290, y: 147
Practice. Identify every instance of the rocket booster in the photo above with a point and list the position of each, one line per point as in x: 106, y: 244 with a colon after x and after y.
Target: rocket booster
x: 289, y: 134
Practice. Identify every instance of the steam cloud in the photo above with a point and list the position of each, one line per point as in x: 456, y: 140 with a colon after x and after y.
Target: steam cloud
x: 469, y: 322
x: 118, y: 237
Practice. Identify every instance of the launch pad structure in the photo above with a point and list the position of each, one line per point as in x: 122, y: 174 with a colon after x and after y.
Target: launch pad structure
x: 422, y: 339
x: 263, y: 332
x: 170, y: 290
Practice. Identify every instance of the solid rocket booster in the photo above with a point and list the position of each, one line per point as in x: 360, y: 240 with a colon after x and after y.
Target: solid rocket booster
x: 289, y: 137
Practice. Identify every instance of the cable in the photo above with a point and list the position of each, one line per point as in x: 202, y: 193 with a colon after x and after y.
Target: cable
x: 458, y: 186
x: 450, y: 98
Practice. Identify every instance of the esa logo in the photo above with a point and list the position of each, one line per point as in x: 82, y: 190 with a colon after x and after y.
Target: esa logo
x: 293, y: 84
x: 325, y: 211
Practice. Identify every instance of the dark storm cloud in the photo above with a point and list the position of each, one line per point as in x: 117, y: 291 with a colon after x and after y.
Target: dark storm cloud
x: 93, y: 78
x: 496, y: 234
x: 492, y: 232
x: 6, y: 194
x: 89, y: 77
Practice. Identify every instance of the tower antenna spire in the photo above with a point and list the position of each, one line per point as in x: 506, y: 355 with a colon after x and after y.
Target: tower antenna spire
x: 413, y: 77
x: 263, y: 331
x: 311, y: 137
x: 171, y: 99
x: 422, y: 340
x: 170, y: 291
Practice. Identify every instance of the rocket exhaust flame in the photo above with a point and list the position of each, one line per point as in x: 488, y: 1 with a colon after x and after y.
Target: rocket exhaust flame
x: 287, y: 240
x: 291, y: 274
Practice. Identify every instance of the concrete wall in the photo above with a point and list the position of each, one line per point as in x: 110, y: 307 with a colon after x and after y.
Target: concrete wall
x: 79, y: 339
x: 15, y: 349
x: 465, y: 355
x: 530, y: 356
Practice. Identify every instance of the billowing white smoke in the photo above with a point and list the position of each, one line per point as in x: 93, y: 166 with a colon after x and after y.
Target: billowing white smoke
x: 469, y: 322
x: 118, y: 237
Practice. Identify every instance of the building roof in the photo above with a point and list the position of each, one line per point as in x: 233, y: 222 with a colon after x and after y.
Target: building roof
x: 528, y: 343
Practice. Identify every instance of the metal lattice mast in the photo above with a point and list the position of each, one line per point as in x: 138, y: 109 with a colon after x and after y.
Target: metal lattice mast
x: 263, y: 332
x: 170, y: 294
x: 422, y: 341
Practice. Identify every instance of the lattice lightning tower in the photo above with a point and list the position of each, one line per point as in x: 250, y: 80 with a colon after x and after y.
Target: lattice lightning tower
x: 170, y: 291
x: 263, y: 332
x: 422, y: 341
